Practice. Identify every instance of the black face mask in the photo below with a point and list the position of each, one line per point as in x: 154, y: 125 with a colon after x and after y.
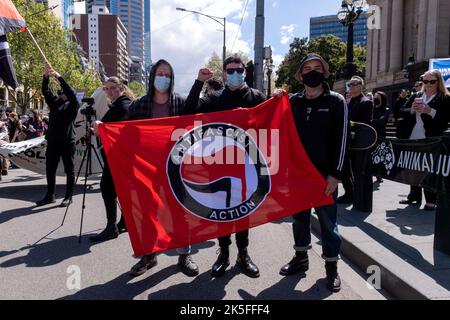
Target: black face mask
x: 313, y: 79
x: 377, y: 101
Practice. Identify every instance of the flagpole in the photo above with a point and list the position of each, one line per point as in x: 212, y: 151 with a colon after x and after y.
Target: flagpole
x: 37, y: 45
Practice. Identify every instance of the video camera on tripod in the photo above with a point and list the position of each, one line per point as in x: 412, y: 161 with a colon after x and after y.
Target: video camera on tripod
x: 89, y: 110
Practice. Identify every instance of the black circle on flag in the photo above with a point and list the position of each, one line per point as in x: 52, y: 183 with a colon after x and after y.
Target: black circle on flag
x: 218, y: 173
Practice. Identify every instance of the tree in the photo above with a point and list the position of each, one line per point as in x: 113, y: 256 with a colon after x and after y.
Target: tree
x: 331, y: 48
x: 57, y: 47
x: 138, y: 88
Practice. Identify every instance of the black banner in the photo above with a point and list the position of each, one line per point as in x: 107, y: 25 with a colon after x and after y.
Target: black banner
x: 424, y: 163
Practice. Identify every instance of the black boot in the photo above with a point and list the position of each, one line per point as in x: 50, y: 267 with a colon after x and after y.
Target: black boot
x: 345, y: 199
x: 109, y: 233
x: 187, y: 265
x: 147, y: 262
x: 47, y: 200
x: 121, y: 226
x: 300, y: 263
x: 246, y: 264
x: 333, y: 279
x: 222, y: 263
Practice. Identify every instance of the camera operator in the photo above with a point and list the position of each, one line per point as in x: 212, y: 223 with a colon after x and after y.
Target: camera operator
x: 121, y: 97
x: 60, y: 135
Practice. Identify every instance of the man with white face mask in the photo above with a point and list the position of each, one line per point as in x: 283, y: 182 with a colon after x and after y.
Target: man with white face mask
x: 236, y: 94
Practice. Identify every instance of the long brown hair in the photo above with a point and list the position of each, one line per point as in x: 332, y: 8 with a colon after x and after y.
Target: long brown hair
x: 124, y: 89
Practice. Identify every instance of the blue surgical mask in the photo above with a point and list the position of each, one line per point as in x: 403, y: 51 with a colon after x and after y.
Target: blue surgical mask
x: 235, y: 80
x: 162, y: 83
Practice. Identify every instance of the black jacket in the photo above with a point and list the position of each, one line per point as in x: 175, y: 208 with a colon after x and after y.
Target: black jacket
x: 222, y: 100
x: 399, y: 103
x: 380, y: 120
x: 62, y: 115
x: 118, y: 110
x: 433, y: 127
x: 322, y: 125
x: 360, y: 109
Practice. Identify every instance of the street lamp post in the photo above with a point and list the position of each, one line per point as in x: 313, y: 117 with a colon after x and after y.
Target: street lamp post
x: 218, y: 20
x: 349, y: 13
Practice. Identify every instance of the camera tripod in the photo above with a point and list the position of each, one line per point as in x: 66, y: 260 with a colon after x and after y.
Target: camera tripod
x: 87, y: 158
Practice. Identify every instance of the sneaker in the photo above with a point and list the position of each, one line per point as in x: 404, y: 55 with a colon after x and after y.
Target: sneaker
x: 299, y: 263
x: 47, y: 200
x: 187, y: 265
x: 4, y: 172
x: 147, y: 262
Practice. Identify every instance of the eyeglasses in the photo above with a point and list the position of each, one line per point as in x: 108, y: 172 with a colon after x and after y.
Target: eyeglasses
x: 430, y: 81
x: 230, y: 71
x: 354, y: 84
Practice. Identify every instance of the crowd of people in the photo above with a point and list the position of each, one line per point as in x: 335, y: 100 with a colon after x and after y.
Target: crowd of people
x: 423, y: 114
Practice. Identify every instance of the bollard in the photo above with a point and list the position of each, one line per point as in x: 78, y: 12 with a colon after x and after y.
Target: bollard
x: 442, y: 224
x: 362, y: 184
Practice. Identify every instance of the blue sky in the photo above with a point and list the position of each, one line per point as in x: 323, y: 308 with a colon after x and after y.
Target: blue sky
x: 187, y: 40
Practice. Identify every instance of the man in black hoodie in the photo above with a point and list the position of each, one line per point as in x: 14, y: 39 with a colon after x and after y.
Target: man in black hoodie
x: 60, y: 135
x: 236, y: 94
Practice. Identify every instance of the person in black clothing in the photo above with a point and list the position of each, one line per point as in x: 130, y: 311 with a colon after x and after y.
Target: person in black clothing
x: 399, y: 103
x: 161, y: 101
x: 426, y: 115
x: 121, y: 97
x: 360, y: 109
x: 60, y: 135
x: 321, y: 118
x: 236, y: 94
x: 381, y: 115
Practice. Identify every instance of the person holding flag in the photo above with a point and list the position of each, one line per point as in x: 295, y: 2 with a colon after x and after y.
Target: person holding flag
x: 60, y: 135
x: 236, y: 94
x: 321, y: 118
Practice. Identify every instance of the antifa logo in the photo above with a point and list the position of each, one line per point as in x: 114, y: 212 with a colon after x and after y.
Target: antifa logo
x: 384, y: 154
x: 217, y: 173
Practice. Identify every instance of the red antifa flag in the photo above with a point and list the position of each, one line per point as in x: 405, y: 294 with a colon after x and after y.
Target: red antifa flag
x: 184, y: 180
x: 10, y: 19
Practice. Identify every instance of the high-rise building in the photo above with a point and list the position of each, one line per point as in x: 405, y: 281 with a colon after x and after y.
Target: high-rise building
x: 104, y: 37
x: 131, y: 13
x: 147, y: 35
x: 330, y: 25
x: 62, y: 9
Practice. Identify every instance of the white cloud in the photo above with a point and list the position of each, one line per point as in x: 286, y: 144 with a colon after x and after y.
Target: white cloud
x: 287, y: 33
x: 187, y: 40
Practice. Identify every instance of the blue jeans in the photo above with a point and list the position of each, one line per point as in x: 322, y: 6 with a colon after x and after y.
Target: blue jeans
x: 331, y: 241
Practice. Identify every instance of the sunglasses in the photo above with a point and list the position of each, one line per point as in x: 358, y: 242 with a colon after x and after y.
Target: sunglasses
x: 354, y: 84
x: 430, y: 81
x: 230, y: 71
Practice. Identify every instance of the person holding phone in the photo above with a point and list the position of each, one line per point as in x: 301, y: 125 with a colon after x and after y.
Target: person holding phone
x: 426, y: 114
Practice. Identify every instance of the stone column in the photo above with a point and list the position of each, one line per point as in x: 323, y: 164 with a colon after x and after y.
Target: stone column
x: 396, y: 48
x: 421, y: 37
x: 385, y: 40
